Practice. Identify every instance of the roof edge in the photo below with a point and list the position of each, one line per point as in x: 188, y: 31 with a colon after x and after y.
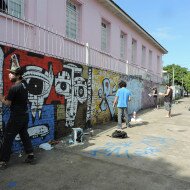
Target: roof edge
x: 138, y: 26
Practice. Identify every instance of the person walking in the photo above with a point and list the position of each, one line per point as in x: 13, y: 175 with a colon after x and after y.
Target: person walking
x: 123, y: 96
x: 17, y: 99
x: 155, y: 97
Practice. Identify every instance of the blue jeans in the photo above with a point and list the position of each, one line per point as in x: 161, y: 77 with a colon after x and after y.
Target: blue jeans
x: 120, y: 113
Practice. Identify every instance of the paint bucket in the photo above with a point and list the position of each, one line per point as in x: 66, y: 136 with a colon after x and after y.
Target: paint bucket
x: 77, y: 135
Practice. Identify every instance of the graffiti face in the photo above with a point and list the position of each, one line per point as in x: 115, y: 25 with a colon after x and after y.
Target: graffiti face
x: 70, y: 84
x: 51, y: 83
x: 39, y: 86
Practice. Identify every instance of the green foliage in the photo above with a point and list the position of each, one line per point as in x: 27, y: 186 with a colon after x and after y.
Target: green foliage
x: 187, y: 82
x: 181, y: 75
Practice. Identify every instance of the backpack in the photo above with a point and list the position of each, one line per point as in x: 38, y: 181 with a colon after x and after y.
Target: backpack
x: 119, y: 134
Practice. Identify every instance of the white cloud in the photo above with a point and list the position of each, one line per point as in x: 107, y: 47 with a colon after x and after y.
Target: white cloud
x: 164, y: 33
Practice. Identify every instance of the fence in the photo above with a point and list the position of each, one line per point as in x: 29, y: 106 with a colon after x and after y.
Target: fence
x: 28, y: 36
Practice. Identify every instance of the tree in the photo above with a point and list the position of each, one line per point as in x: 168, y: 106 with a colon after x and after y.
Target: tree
x: 179, y: 73
x: 187, y: 82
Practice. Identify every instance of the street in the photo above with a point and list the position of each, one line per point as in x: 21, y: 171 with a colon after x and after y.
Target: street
x: 154, y: 157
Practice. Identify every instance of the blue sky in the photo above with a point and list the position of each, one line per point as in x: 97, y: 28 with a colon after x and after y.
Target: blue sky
x: 168, y: 21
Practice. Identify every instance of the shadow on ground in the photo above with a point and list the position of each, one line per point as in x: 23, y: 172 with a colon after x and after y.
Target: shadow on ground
x: 89, y: 170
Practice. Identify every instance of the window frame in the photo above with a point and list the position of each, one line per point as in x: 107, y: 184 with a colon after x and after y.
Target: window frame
x: 143, y: 56
x: 123, y: 43
x: 105, y: 45
x: 150, y: 57
x: 72, y: 32
x: 158, y: 64
x: 9, y: 6
x: 134, y: 51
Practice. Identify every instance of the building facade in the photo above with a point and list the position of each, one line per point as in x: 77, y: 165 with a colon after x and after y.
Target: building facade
x: 74, y: 53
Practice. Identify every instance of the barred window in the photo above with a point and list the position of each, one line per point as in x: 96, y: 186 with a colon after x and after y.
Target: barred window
x: 105, y: 36
x: 134, y: 51
x: 143, y: 57
x: 122, y: 45
x: 13, y: 7
x: 158, y: 64
x: 150, y: 60
x: 72, y: 20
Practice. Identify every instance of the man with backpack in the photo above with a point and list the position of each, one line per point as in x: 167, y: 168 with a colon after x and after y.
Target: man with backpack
x: 123, y: 96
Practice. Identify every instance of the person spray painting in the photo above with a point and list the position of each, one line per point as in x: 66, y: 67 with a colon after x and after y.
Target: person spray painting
x: 17, y: 100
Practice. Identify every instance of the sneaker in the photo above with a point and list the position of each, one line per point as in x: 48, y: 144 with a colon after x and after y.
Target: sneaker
x: 30, y: 160
x: 3, y: 165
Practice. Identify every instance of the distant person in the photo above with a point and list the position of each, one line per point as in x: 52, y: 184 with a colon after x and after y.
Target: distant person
x: 168, y: 99
x: 123, y: 96
x: 17, y: 99
x: 155, y: 97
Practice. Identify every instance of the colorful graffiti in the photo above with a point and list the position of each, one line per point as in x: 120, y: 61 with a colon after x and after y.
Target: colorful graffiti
x: 56, y: 90
x: 104, y: 87
x: 63, y: 95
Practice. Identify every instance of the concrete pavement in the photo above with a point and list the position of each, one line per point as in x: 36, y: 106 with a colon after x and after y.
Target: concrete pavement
x: 155, y: 156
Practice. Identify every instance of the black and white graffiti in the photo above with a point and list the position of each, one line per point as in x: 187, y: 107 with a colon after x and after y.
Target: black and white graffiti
x: 39, y: 82
x: 70, y: 84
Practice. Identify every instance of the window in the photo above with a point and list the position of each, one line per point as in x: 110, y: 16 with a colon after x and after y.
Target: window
x: 13, y: 7
x: 150, y: 60
x: 158, y: 64
x: 122, y: 45
x: 105, y: 36
x: 134, y: 51
x: 143, y: 57
x: 72, y: 20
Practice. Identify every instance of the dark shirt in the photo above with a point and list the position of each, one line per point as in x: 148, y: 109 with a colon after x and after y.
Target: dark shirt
x: 168, y: 98
x: 18, y: 95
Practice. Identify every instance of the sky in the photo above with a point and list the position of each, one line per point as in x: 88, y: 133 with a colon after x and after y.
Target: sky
x: 168, y: 21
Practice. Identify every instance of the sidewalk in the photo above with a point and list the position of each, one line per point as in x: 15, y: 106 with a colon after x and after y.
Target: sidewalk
x: 156, y: 156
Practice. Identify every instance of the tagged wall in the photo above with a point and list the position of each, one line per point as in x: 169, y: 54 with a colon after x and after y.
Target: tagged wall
x: 58, y: 93
x: 105, y: 85
x: 63, y: 95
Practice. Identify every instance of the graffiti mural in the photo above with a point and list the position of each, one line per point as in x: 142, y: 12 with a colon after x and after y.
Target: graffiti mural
x: 74, y: 88
x: 147, y: 101
x: 135, y: 86
x: 104, y: 90
x: 107, y: 95
x: 56, y: 91
x: 63, y: 95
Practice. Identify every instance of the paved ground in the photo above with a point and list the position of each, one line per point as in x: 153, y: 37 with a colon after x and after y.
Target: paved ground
x: 154, y: 157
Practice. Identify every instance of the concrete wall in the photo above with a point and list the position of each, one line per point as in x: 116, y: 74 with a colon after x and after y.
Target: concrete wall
x: 63, y: 95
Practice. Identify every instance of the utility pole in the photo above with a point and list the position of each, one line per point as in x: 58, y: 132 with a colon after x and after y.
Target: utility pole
x: 173, y: 76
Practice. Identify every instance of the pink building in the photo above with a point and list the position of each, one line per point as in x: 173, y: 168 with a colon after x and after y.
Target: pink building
x: 74, y: 53
x: 96, y: 32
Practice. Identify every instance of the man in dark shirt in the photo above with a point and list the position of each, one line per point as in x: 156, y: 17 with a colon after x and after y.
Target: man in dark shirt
x: 155, y: 96
x: 168, y: 95
x: 17, y: 99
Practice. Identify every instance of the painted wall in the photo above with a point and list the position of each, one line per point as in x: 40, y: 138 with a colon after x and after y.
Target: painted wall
x: 64, y: 95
